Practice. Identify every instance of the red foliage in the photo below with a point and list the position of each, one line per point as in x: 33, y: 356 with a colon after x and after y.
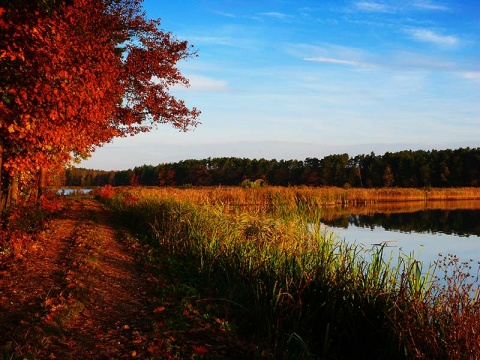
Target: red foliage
x: 105, y: 193
x: 199, y: 349
x: 50, y: 204
x: 67, y: 87
x: 22, y: 224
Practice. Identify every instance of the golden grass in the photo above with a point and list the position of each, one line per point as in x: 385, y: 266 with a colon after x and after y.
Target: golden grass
x: 293, y: 196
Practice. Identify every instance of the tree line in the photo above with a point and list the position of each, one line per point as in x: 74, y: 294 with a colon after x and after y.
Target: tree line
x: 435, y: 168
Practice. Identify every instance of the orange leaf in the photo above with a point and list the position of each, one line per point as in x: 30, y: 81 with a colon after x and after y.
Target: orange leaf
x: 159, y: 309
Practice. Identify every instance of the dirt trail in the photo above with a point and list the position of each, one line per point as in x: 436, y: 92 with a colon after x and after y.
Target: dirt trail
x: 80, y: 294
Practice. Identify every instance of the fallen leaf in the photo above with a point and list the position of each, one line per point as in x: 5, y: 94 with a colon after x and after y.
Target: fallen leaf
x: 200, y: 349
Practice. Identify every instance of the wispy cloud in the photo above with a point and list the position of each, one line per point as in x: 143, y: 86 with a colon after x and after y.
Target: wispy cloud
x: 393, y: 7
x: 371, y: 6
x: 471, y: 75
x: 410, y: 60
x: 430, y: 36
x: 275, y: 15
x: 429, y: 5
x: 353, y: 57
x: 229, y: 15
x: 205, y: 83
x: 337, y: 61
x: 332, y: 54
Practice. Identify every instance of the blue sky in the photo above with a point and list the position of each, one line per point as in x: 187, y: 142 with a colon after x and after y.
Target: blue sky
x: 296, y: 79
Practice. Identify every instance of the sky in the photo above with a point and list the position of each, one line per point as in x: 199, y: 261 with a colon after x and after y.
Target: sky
x: 292, y: 79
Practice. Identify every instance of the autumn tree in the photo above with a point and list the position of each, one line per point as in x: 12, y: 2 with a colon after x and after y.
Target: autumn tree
x: 75, y: 74
x: 388, y: 178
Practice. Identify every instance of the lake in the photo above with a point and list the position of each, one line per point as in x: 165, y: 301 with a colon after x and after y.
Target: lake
x: 73, y: 191
x: 426, y: 229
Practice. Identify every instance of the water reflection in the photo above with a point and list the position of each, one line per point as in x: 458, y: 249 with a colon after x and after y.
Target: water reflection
x: 458, y: 222
x: 427, y: 230
x: 459, y: 218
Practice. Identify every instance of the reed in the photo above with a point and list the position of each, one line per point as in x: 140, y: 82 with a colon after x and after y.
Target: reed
x: 292, y: 196
x: 296, y: 290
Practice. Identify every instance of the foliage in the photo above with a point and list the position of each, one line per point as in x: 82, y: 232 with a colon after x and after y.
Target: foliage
x: 22, y: 224
x: 76, y: 74
x: 248, y: 184
x: 105, y: 193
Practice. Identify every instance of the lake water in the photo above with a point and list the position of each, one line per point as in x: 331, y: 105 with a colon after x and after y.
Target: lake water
x: 73, y: 191
x: 427, y: 230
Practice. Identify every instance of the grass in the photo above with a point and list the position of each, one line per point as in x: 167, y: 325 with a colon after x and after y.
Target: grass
x: 299, y: 292
x: 292, y: 196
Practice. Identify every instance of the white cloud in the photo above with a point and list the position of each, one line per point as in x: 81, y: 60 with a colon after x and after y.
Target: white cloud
x: 275, y: 15
x: 372, y: 6
x: 471, y: 75
x: 332, y: 53
x: 354, y: 57
x: 428, y: 5
x: 229, y: 15
x: 395, y: 6
x: 336, y: 61
x: 204, y: 83
x: 231, y: 35
x: 430, y: 36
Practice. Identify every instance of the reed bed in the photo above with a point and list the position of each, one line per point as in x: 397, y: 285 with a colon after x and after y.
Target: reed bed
x: 298, y: 291
x: 292, y: 196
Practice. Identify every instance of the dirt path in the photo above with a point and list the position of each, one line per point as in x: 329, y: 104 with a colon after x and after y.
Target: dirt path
x: 80, y: 294
x: 119, y: 305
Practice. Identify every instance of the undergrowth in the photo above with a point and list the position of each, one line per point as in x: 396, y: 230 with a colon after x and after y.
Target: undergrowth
x: 21, y: 224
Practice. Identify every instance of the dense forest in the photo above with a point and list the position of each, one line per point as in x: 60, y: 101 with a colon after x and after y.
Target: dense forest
x: 435, y: 168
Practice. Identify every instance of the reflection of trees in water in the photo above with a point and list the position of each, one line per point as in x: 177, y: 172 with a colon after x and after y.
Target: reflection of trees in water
x: 458, y: 222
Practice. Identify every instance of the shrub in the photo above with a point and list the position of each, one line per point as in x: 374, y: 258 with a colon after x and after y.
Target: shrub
x: 105, y: 193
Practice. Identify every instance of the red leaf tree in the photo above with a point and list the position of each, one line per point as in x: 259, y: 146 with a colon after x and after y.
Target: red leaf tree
x: 75, y: 74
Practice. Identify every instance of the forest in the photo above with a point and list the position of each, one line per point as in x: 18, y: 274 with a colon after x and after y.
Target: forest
x: 435, y: 168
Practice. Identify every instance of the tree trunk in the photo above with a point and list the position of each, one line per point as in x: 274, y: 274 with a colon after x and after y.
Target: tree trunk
x: 13, y: 190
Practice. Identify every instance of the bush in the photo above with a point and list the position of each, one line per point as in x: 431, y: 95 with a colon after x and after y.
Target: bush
x: 105, y: 193
x: 248, y: 184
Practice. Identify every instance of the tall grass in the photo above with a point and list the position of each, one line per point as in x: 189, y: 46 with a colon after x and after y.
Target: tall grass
x: 271, y: 197
x: 300, y: 292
